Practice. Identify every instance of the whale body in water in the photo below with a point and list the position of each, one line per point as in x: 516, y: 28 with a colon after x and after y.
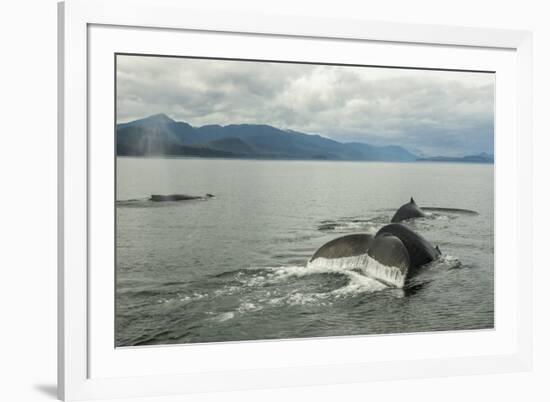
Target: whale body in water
x: 420, y: 250
x: 177, y: 197
x: 408, y: 211
x: 391, y: 256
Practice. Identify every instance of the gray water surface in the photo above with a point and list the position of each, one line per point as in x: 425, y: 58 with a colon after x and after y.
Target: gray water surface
x: 233, y: 267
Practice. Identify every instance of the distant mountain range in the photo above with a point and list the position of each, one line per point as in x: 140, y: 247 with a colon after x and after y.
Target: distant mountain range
x: 479, y: 158
x: 159, y: 135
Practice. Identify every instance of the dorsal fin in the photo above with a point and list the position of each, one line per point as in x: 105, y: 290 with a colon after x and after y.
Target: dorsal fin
x: 412, y: 201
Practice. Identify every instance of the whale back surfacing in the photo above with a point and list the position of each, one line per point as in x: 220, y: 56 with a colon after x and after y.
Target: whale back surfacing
x: 176, y: 197
x: 408, y: 211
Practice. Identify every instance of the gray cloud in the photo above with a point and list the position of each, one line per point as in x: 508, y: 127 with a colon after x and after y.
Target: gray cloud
x: 434, y: 112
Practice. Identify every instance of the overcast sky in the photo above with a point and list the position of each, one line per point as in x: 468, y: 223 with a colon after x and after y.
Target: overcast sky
x: 432, y: 112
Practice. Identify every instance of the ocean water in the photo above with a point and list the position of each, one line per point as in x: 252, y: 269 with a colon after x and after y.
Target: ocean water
x: 235, y: 267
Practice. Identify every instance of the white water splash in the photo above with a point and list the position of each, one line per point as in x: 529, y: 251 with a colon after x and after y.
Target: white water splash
x: 369, y: 266
x: 346, y: 226
x: 448, y: 261
x: 359, y: 284
x: 372, y: 276
x: 192, y: 297
x: 224, y: 316
x: 301, y: 299
x: 385, y: 273
x: 339, y: 264
x: 248, y: 306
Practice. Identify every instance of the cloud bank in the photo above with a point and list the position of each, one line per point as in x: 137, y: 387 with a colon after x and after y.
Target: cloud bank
x: 428, y: 112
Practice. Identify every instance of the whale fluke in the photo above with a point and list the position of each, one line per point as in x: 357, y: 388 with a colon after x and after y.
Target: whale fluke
x: 394, y: 254
x: 345, y: 246
x: 408, y: 211
x: 390, y: 251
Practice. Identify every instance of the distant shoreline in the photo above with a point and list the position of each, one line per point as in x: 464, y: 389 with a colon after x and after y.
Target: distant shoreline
x: 455, y: 161
x: 161, y: 136
x: 471, y: 159
x: 422, y: 161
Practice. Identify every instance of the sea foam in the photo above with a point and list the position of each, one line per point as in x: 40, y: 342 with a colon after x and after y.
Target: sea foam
x: 367, y: 265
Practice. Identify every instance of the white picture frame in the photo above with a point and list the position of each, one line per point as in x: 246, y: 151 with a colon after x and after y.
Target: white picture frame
x: 89, y: 33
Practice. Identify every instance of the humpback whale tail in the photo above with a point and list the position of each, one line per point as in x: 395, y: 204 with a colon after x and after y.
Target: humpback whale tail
x: 391, y: 256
